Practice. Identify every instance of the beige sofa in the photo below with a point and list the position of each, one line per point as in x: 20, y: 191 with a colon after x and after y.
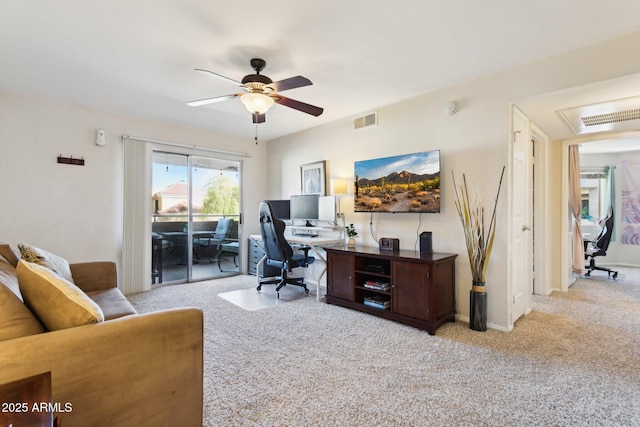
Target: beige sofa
x: 129, y: 370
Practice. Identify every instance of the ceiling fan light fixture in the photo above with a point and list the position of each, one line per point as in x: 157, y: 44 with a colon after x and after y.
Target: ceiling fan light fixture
x: 261, y: 92
x: 257, y: 103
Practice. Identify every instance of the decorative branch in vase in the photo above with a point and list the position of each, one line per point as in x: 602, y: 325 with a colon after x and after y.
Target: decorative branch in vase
x: 479, y: 240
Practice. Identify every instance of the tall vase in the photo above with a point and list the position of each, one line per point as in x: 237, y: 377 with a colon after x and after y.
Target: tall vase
x: 478, y: 307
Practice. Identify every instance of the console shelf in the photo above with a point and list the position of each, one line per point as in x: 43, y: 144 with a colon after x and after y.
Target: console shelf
x: 405, y: 286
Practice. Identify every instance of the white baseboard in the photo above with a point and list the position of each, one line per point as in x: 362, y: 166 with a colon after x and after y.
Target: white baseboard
x: 490, y: 325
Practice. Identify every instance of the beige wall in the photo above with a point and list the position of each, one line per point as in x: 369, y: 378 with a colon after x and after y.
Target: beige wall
x: 77, y: 211
x: 474, y: 141
x: 555, y: 214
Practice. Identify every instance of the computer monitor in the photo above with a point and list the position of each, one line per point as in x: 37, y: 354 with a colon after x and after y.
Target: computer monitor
x: 327, y: 208
x: 281, y: 208
x: 304, y: 207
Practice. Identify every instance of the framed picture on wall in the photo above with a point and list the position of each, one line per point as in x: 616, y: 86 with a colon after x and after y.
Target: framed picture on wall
x: 313, y: 178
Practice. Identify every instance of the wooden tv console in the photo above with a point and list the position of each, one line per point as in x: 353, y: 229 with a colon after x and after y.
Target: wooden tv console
x: 405, y: 286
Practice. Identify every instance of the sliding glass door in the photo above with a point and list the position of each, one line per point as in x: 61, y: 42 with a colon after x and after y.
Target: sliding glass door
x: 196, y: 208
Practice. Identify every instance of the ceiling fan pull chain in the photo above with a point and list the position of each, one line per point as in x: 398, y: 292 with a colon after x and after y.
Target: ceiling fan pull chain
x: 256, y: 137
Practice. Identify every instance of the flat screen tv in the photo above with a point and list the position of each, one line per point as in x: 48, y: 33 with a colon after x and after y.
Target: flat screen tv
x: 405, y: 183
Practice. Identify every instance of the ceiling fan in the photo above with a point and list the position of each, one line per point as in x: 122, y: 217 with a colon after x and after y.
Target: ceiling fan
x: 260, y: 92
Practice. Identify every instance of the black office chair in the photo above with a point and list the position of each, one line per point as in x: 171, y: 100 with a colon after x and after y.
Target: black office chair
x: 278, y: 251
x: 599, y: 246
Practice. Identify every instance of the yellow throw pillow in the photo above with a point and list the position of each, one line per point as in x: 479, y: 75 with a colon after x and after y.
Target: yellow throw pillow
x: 15, y: 318
x: 41, y: 257
x: 58, y: 303
x: 9, y: 254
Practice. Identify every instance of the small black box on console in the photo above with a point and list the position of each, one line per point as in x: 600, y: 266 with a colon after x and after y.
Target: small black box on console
x: 426, y: 244
x: 389, y: 244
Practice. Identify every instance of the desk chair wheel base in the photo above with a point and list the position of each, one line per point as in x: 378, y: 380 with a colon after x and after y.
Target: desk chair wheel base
x: 609, y: 272
x: 281, y: 282
x: 593, y: 267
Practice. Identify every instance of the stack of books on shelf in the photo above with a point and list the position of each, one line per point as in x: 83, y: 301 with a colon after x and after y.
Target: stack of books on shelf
x: 377, y: 301
x: 379, y: 286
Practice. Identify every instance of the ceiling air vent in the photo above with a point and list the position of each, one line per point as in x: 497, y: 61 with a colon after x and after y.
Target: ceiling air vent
x: 616, y: 115
x: 365, y: 121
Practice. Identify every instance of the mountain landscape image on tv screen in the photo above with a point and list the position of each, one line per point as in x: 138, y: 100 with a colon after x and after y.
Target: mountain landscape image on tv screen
x: 404, y: 183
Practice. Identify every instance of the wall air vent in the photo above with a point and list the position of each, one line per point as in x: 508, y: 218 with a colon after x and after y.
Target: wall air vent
x: 617, y: 115
x: 365, y: 121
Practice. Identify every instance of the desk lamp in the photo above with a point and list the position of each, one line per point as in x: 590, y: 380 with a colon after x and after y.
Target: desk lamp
x: 339, y: 188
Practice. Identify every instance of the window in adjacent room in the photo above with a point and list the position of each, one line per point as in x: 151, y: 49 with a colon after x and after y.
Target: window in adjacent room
x: 593, y: 184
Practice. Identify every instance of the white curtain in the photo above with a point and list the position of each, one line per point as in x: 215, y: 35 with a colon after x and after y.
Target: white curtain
x: 575, y: 204
x: 630, y: 215
x: 136, y: 247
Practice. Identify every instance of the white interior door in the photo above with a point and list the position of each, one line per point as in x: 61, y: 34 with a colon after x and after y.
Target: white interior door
x: 521, y: 278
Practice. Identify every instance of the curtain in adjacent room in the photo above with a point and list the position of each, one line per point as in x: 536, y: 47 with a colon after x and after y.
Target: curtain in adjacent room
x: 577, y: 263
x: 610, y: 194
x: 630, y: 186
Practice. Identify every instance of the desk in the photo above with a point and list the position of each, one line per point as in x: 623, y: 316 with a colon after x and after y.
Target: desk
x: 315, y: 243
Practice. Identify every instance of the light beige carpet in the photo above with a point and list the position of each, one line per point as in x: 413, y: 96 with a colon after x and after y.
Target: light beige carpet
x: 574, y: 361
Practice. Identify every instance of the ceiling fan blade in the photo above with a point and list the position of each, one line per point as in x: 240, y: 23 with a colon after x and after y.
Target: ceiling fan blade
x: 297, y: 105
x: 290, y: 83
x: 211, y: 100
x: 259, y: 118
x: 227, y: 79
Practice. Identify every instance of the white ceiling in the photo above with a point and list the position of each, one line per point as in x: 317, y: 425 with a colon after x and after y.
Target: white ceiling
x: 137, y: 57
x: 544, y: 110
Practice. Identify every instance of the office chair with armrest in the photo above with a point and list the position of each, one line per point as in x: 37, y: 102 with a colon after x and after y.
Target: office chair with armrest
x: 278, y: 251
x: 599, y: 246
x: 215, y: 240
